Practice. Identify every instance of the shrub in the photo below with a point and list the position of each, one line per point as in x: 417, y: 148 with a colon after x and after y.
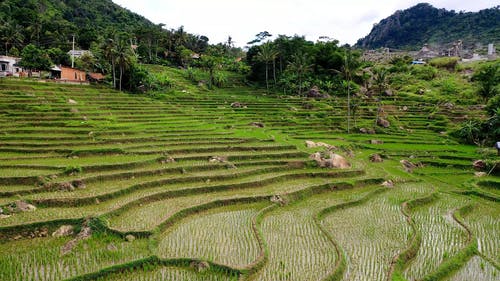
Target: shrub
x: 488, y: 79
x: 493, y: 106
x: 72, y: 170
x: 424, y: 72
x: 448, y: 63
x: 220, y: 79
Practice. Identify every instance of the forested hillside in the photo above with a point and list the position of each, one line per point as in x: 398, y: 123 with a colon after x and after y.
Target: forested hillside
x: 52, y: 23
x: 423, y: 23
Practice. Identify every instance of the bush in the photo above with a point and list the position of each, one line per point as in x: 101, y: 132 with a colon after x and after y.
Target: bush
x: 479, y: 132
x: 220, y: 79
x: 493, y: 106
x: 71, y: 170
x: 488, y: 79
x: 424, y: 72
x: 194, y: 74
x: 448, y: 63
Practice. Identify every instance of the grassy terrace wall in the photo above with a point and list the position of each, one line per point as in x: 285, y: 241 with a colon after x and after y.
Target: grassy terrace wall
x: 145, y: 183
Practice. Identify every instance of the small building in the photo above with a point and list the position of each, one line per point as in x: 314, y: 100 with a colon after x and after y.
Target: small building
x: 72, y: 74
x: 426, y: 53
x: 79, y: 53
x: 9, y: 67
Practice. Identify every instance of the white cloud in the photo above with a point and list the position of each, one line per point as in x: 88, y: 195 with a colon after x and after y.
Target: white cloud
x: 345, y: 21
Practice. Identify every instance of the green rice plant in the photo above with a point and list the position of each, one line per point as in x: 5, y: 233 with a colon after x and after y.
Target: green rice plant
x: 484, y: 224
x: 42, y: 259
x: 222, y: 235
x: 442, y: 236
x: 148, y: 215
x: 372, y: 239
x: 298, y: 249
x: 476, y: 269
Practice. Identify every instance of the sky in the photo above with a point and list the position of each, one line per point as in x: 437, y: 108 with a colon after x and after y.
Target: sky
x: 346, y: 21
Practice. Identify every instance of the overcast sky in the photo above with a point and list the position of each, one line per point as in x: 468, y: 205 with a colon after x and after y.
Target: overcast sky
x: 346, y: 21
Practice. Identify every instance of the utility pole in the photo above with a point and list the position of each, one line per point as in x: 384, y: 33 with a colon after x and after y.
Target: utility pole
x: 73, y: 53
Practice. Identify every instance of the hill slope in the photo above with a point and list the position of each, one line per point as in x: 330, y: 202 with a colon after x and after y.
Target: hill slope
x: 423, y: 23
x: 51, y: 23
x: 193, y: 179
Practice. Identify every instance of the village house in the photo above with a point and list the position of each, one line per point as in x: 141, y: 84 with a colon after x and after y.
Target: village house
x: 9, y: 67
x: 68, y: 74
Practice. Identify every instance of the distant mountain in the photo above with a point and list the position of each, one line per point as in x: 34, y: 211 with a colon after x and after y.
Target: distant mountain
x: 423, y: 23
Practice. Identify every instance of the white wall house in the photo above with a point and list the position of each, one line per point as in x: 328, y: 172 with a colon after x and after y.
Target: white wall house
x: 9, y: 67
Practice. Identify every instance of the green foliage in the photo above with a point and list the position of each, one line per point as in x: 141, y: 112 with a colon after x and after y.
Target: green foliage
x: 493, y: 105
x: 479, y: 132
x: 488, y: 79
x: 34, y: 58
x: 424, y: 72
x: 58, y: 56
x: 72, y: 170
x: 445, y: 62
x: 220, y: 79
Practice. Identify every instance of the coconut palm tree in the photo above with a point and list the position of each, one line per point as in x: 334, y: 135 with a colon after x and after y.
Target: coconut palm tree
x: 300, y: 66
x: 267, y: 54
x: 124, y: 58
x: 380, y: 81
x: 11, y: 35
x: 109, y: 54
x: 350, y: 68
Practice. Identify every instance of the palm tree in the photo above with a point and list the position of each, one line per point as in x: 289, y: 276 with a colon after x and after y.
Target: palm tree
x: 11, y: 35
x: 267, y: 54
x: 380, y: 81
x: 300, y: 65
x: 109, y: 53
x: 347, y: 71
x: 124, y: 58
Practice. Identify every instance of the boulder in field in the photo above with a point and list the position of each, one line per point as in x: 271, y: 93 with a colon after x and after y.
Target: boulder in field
x: 311, y: 144
x: 479, y: 165
x: 376, y: 158
x: 337, y: 161
x: 78, y: 184
x: 369, y: 131
x: 63, y: 230
x: 383, y: 123
x: 217, y: 159
x: 22, y: 206
x: 388, y: 183
x: 376, y: 142
x: 257, y: 124
x: 130, y: 238
x: 334, y: 161
x: 236, y: 105
x: 72, y: 101
x: 407, y: 165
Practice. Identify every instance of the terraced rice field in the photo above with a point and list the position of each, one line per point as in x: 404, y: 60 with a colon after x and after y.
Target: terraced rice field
x: 189, y: 187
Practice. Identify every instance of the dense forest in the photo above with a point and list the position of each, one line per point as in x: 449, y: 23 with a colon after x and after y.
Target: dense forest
x: 423, y: 23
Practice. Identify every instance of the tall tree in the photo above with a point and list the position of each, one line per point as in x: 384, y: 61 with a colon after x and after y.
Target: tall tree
x: 380, y: 82
x: 109, y: 53
x: 348, y: 69
x: 266, y: 55
x: 33, y: 58
x: 124, y: 58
